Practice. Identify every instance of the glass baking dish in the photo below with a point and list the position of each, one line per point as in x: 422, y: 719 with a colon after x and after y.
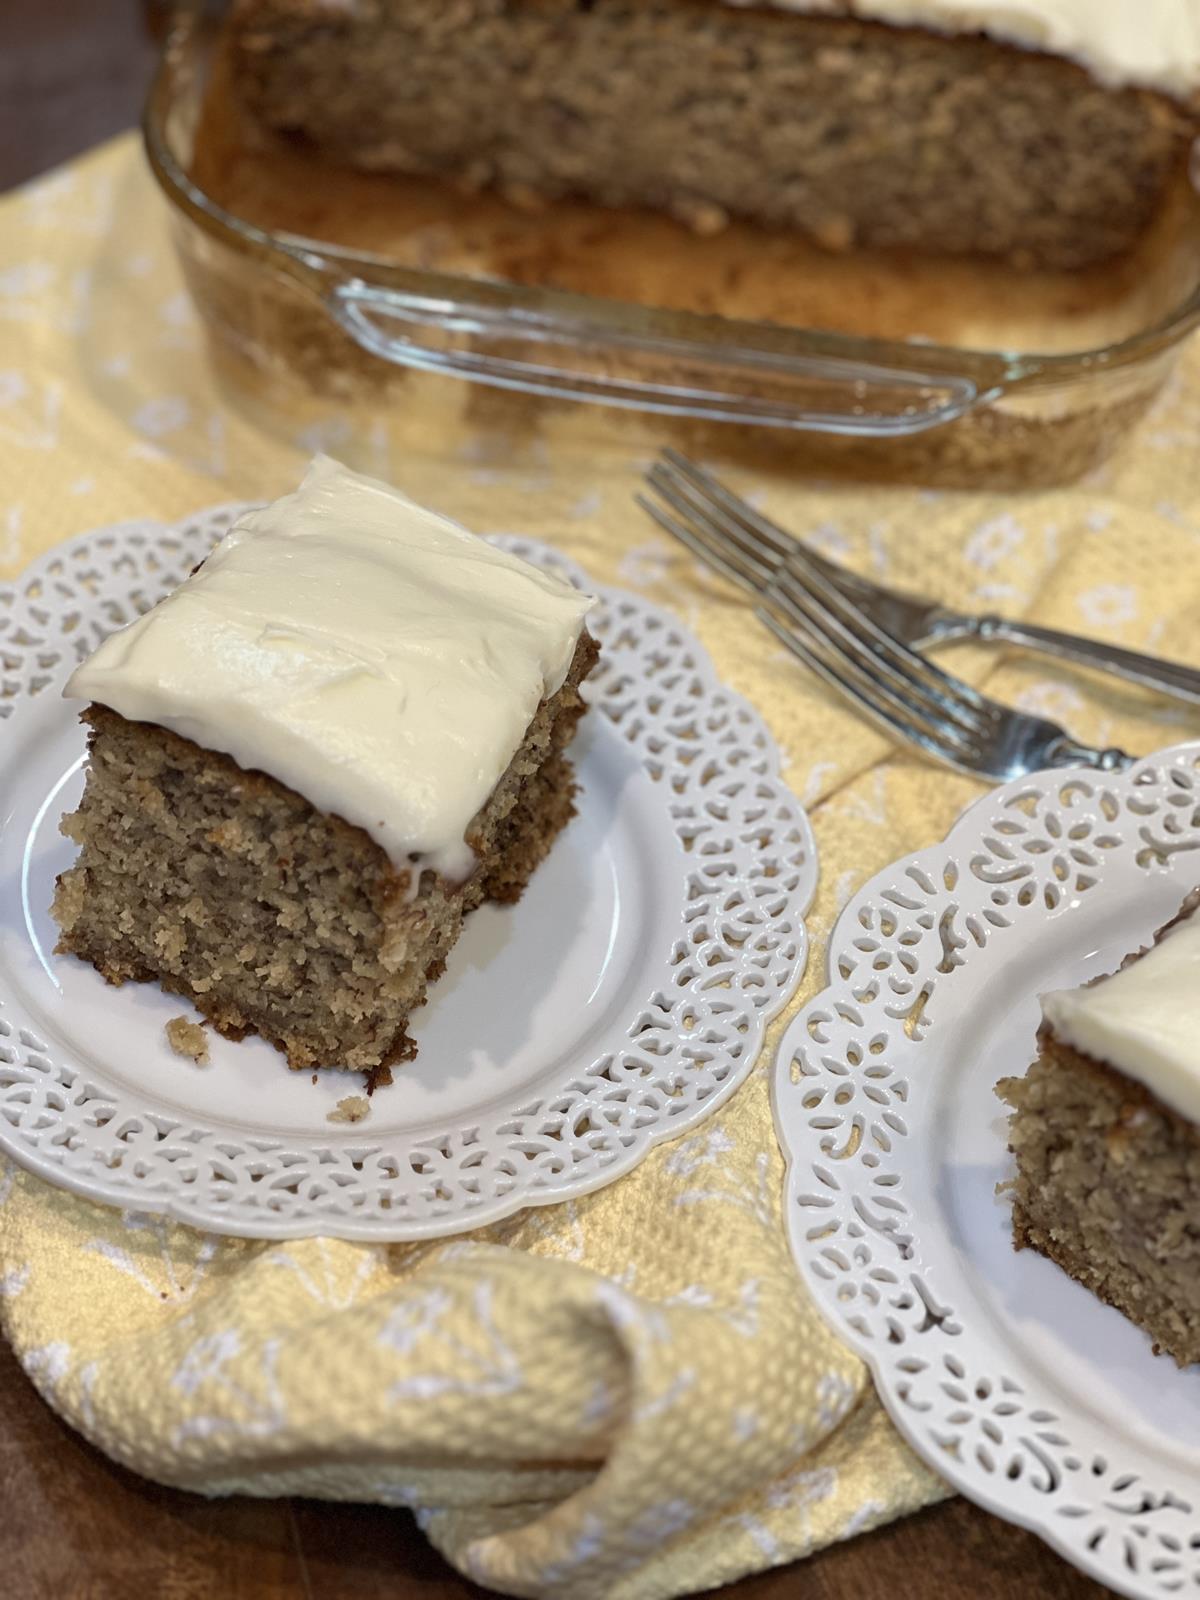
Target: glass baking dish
x: 375, y: 299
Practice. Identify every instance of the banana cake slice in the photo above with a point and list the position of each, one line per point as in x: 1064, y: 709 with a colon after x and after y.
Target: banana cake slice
x: 1105, y: 1128
x: 341, y: 734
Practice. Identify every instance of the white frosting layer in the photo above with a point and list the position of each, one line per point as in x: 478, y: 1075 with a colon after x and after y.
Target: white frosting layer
x: 366, y: 652
x: 1150, y: 43
x: 1144, y: 1020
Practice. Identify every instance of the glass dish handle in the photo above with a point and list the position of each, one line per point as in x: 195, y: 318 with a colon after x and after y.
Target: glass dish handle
x: 774, y: 378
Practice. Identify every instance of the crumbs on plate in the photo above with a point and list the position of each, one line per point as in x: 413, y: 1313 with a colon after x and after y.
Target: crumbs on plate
x: 352, y: 1109
x: 189, y: 1039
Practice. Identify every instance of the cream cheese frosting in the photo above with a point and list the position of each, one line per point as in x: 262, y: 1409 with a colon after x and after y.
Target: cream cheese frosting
x: 366, y: 652
x: 1153, y: 44
x: 1144, y: 1020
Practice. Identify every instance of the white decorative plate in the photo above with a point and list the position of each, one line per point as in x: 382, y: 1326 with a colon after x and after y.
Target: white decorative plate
x: 1030, y: 1396
x: 622, y: 1000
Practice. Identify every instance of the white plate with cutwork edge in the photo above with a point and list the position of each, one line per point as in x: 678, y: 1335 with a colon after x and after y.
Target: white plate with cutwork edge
x: 621, y: 1001
x: 1014, y: 1383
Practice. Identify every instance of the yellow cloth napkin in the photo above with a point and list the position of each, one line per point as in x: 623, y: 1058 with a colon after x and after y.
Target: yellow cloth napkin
x: 627, y: 1395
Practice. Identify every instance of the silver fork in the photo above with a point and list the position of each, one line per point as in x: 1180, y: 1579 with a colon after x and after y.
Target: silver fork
x: 905, y: 695
x: 917, y: 621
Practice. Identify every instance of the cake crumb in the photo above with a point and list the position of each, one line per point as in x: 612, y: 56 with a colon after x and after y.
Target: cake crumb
x: 352, y: 1109
x: 189, y: 1039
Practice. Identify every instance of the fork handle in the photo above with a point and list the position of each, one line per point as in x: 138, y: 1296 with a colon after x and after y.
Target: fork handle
x: 1165, y: 677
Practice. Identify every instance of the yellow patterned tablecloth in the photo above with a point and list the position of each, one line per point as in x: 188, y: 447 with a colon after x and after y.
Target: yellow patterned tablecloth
x: 623, y: 1396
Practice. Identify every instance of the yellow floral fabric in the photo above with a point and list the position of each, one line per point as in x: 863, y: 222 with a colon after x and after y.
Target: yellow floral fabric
x: 627, y: 1395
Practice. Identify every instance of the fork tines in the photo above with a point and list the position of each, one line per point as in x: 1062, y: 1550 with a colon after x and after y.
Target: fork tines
x: 902, y: 692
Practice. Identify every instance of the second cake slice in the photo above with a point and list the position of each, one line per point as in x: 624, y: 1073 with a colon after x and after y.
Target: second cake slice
x: 1105, y: 1128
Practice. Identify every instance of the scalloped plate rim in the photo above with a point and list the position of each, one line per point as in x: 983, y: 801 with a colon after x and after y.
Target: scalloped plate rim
x: 1180, y: 753
x: 268, y: 1228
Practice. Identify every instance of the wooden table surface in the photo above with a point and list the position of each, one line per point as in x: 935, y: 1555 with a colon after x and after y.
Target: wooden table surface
x: 72, y: 72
